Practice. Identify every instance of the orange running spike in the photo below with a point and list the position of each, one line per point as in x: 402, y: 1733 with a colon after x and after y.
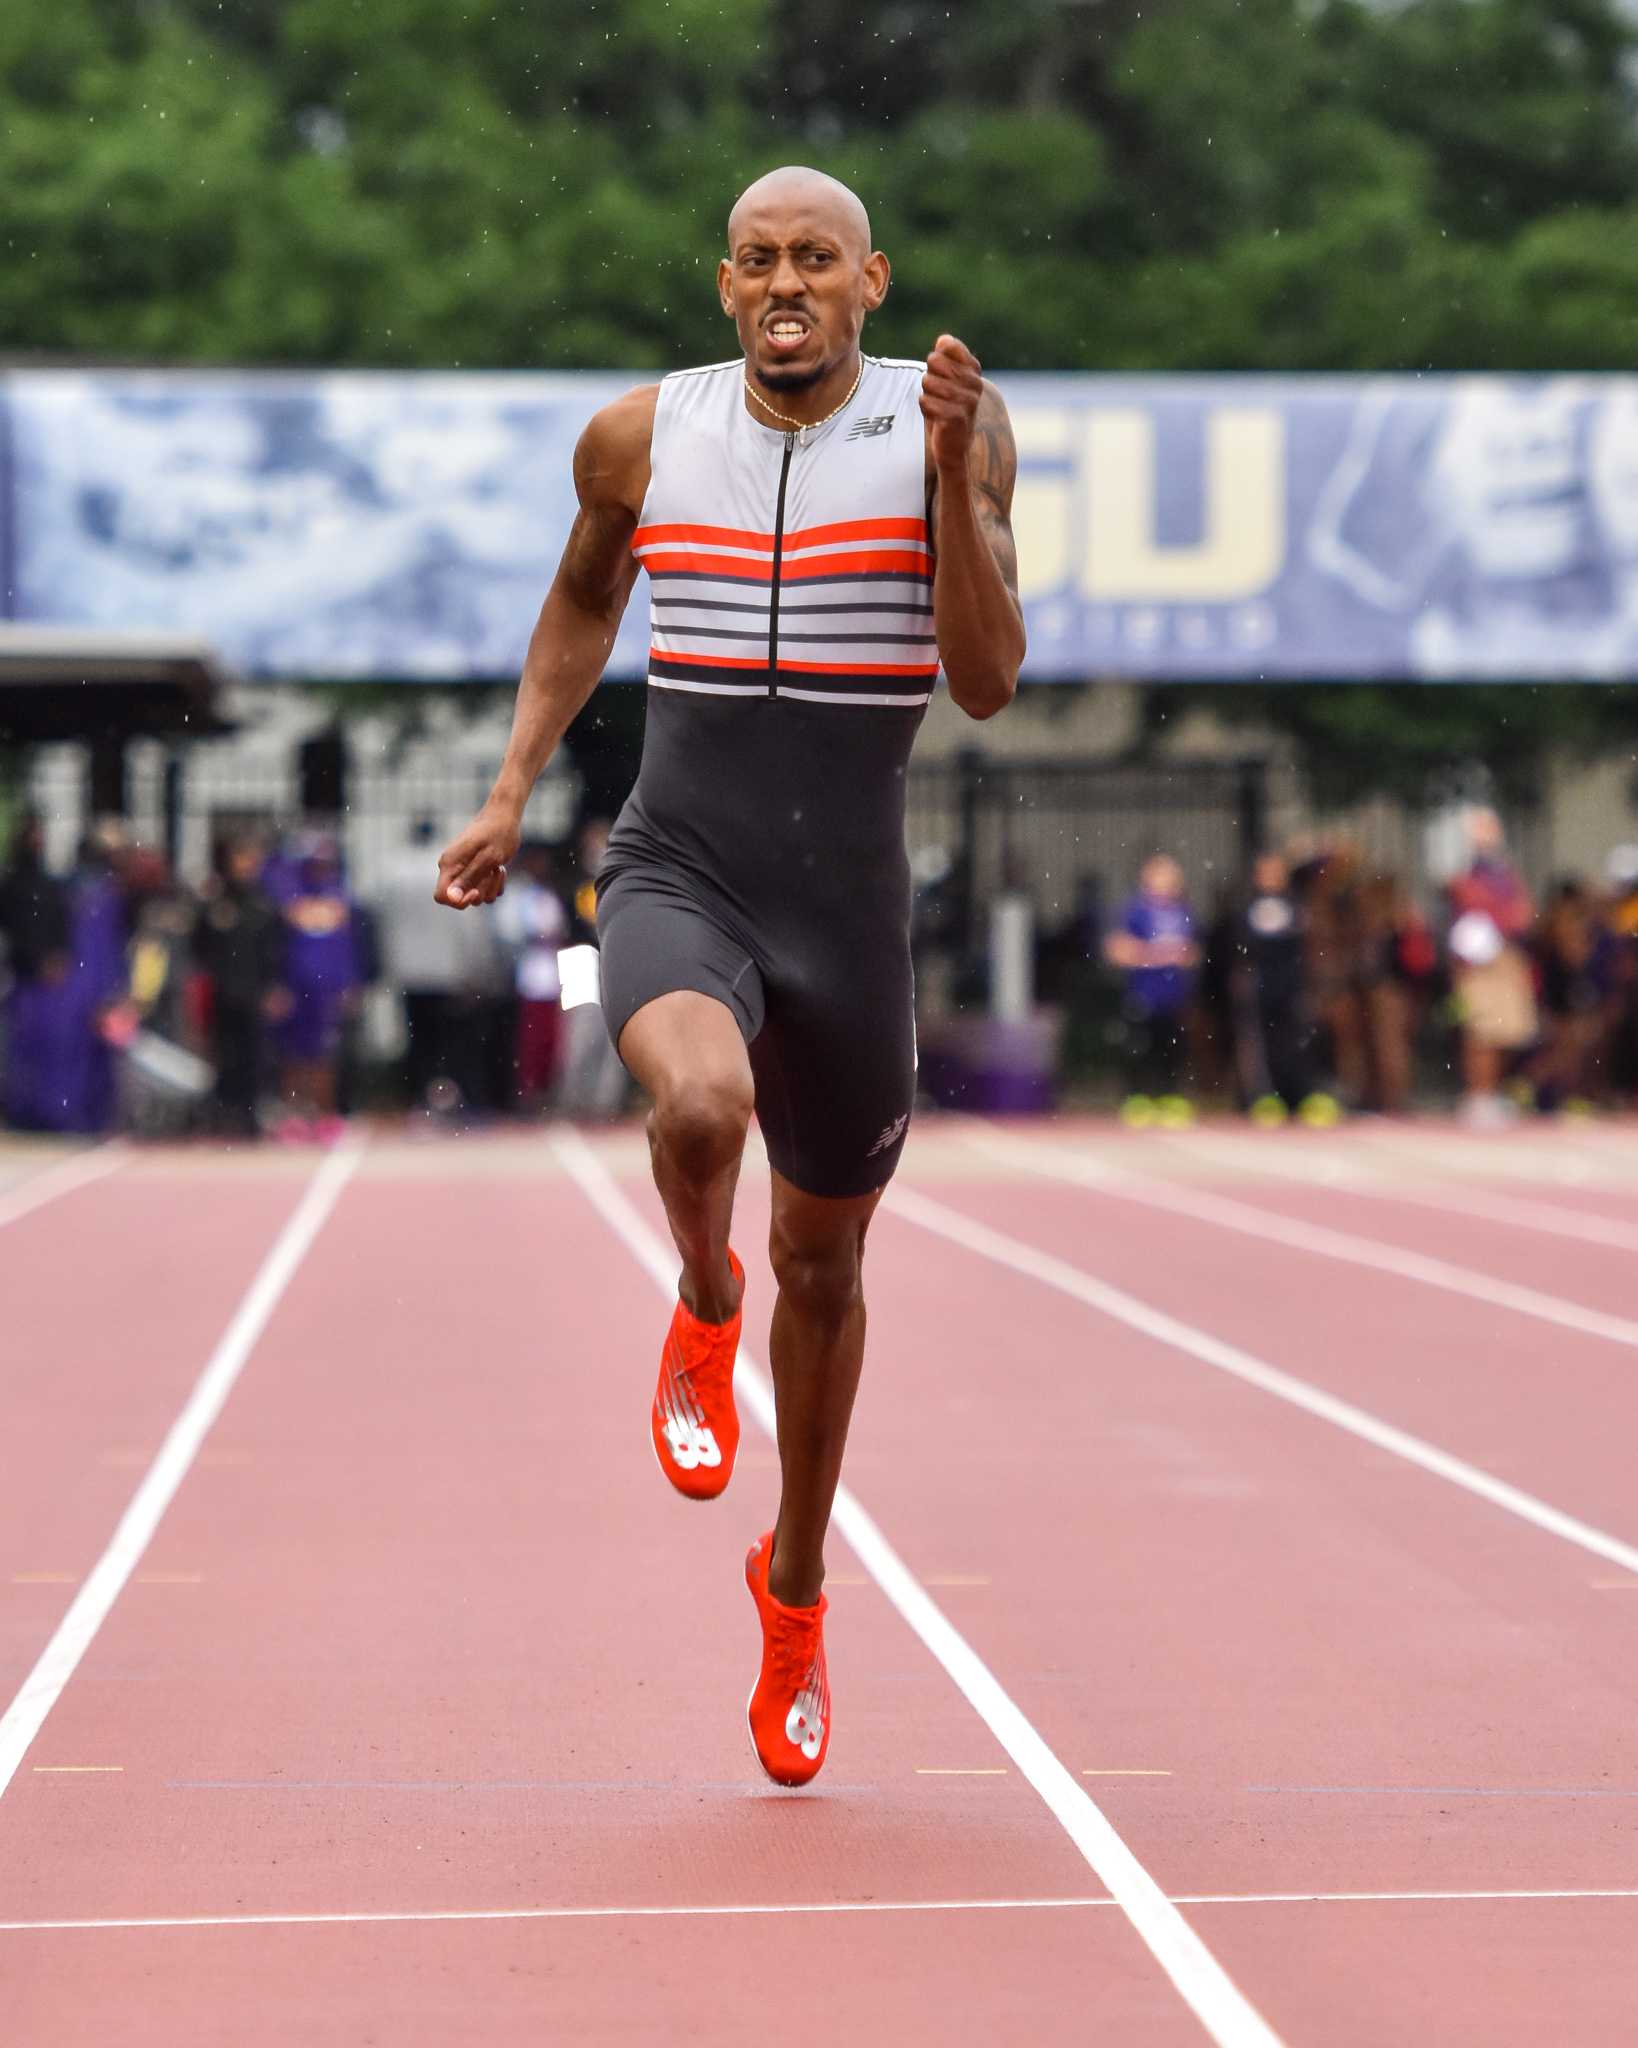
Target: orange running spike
x: 789, y: 1711
x: 694, y: 1424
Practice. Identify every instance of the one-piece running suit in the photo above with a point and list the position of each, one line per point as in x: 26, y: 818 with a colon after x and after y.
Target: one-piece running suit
x: 760, y: 858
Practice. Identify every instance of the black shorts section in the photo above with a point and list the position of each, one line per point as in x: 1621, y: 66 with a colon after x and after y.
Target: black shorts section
x: 654, y: 938
x: 829, y: 1021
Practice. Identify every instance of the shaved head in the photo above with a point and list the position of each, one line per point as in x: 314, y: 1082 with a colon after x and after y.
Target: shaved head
x: 823, y: 200
x: 798, y: 280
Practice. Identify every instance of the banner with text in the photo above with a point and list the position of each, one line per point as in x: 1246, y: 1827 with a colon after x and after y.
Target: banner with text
x: 405, y: 526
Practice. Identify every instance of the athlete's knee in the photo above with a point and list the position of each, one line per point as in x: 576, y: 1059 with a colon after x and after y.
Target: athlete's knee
x: 700, y: 1120
x: 822, y: 1282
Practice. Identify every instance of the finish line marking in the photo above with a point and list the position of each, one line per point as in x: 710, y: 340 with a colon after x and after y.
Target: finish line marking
x: 1201, y: 1981
x: 808, y: 1906
x: 89, y: 1609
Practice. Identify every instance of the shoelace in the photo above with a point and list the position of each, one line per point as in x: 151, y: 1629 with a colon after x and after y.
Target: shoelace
x: 793, y: 1644
x: 711, y: 1374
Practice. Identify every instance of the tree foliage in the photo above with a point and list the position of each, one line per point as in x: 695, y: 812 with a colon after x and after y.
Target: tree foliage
x: 1288, y: 184
x: 1155, y: 184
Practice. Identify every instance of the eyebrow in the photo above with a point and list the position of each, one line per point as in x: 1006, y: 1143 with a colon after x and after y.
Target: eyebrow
x: 759, y: 247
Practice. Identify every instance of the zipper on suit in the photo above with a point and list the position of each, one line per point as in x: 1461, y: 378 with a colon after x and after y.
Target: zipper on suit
x: 778, y: 558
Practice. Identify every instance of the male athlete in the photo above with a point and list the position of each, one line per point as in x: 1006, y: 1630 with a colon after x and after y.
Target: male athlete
x: 821, y: 529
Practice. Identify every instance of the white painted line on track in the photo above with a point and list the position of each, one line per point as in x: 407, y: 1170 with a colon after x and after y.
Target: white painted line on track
x: 1228, y: 1213
x: 766, y: 1910
x: 1220, y: 2006
x: 61, y: 1178
x: 1326, y: 1170
x: 103, y: 1585
x: 1460, y: 1152
x: 758, y: 1910
x: 1241, y: 1365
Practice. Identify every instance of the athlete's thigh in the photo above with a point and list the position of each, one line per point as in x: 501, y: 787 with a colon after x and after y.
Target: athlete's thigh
x: 835, y: 1069
x: 658, y: 946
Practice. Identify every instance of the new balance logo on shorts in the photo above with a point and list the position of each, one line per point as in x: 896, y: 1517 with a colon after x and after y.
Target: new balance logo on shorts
x: 891, y: 1136
x: 866, y: 428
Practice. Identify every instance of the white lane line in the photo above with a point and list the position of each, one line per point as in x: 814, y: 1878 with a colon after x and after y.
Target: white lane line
x: 1227, y: 1213
x: 1222, y: 2009
x: 44, y: 1685
x: 1241, y: 1365
x: 751, y: 1911
x: 1328, y: 1171
x: 1455, y: 1152
x: 61, y: 1178
x: 763, y: 1910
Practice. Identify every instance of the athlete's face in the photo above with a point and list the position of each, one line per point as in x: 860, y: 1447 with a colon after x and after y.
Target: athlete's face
x: 797, y: 282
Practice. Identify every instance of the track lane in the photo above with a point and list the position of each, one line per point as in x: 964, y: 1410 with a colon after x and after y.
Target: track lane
x: 113, y: 1295
x: 1356, y: 1678
x: 416, y: 1673
x: 1546, y: 1408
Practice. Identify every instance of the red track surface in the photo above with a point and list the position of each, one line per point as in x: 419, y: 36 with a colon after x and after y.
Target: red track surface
x: 424, y: 1633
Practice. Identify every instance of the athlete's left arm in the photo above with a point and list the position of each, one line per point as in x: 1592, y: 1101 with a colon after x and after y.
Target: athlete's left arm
x: 976, y: 612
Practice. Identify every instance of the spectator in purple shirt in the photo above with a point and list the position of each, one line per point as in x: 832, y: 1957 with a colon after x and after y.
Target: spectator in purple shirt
x: 322, y: 979
x: 1153, y: 945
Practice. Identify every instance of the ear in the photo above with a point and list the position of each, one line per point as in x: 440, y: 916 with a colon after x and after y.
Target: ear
x: 878, y: 274
x: 725, y: 286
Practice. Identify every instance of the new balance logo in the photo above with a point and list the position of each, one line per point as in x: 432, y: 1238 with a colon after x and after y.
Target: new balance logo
x: 683, y: 1422
x: 691, y: 1444
x: 805, y: 1723
x: 866, y: 428
x: 891, y: 1136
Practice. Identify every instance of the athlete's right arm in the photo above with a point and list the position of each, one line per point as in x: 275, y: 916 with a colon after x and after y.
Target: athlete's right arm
x: 571, y: 643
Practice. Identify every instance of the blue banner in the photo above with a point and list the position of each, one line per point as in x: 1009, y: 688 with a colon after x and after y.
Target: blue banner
x: 360, y: 524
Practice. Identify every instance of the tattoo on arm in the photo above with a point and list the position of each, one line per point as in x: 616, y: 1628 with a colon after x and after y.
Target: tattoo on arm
x: 992, y: 466
x: 992, y: 470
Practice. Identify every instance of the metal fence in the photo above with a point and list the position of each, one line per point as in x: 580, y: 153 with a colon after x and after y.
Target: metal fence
x: 1056, y: 830
x: 1053, y: 828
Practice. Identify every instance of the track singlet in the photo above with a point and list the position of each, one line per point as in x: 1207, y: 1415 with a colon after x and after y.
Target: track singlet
x: 792, y: 645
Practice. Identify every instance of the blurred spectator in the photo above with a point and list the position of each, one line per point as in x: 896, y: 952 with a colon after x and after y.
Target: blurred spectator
x: 1396, y: 960
x: 422, y: 957
x: 1274, y: 1021
x: 594, y: 1083
x: 161, y: 919
x: 161, y: 1082
x: 1493, y: 985
x: 1621, y: 921
x: 1332, y: 914
x: 323, y: 973
x: 1577, y: 963
x: 533, y: 925
x: 239, y: 943
x: 81, y: 1068
x: 34, y: 927
x: 1152, y: 944
x: 590, y: 847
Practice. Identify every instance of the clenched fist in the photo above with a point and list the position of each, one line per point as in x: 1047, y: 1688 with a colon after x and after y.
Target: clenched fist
x: 472, y: 867
x: 950, y: 392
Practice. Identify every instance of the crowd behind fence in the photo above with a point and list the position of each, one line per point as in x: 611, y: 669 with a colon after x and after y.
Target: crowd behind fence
x: 279, y: 973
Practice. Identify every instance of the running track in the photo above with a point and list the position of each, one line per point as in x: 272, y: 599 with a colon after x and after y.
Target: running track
x: 1237, y: 1639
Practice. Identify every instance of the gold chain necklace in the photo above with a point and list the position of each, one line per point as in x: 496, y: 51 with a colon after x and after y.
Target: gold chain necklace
x: 803, y: 428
